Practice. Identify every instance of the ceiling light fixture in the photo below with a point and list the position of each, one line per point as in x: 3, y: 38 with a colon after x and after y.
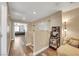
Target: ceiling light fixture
x: 34, y: 12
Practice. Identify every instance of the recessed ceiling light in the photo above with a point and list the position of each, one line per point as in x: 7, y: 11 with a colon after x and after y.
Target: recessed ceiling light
x: 34, y: 12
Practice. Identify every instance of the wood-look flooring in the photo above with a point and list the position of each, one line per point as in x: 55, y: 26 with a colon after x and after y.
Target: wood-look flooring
x: 18, y: 48
x: 48, y: 52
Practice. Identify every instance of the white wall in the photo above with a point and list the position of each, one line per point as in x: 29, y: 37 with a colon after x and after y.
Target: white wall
x: 0, y: 30
x: 4, y: 29
x: 72, y: 23
x: 41, y: 35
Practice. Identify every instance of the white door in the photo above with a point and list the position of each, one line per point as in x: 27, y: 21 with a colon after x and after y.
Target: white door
x: 3, y: 28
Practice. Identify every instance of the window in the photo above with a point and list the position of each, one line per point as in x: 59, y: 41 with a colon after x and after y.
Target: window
x: 16, y: 28
x: 19, y: 27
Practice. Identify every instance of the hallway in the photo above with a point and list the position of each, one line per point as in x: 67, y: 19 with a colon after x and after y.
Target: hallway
x: 18, y: 48
x: 31, y: 28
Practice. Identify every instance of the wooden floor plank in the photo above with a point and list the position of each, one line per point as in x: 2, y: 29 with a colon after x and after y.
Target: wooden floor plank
x: 18, y: 48
x: 48, y: 52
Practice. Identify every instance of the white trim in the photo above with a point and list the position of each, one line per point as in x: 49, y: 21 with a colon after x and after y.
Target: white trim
x: 35, y: 53
x: 33, y: 42
x: 4, y: 51
x: 25, y: 33
x: 13, y: 32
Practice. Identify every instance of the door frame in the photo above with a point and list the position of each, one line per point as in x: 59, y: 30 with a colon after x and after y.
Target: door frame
x: 4, y: 17
x: 14, y: 31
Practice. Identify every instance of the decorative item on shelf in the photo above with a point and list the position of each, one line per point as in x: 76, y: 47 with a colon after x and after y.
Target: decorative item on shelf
x: 54, y: 40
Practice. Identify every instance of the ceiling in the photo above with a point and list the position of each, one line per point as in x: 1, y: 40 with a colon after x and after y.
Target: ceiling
x: 30, y: 11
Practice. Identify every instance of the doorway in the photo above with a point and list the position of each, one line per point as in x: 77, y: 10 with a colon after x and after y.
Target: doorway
x: 20, y: 30
x: 18, y: 46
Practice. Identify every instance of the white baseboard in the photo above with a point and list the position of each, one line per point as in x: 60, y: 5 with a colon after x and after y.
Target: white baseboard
x: 35, y: 53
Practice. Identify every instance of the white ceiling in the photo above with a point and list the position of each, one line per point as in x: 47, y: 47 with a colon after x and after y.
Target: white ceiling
x: 24, y: 10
